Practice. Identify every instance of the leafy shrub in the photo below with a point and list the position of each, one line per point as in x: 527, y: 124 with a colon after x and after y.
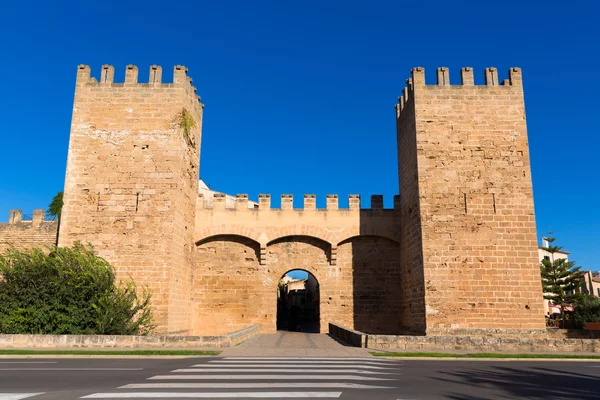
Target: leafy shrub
x: 68, y: 291
x: 587, y: 310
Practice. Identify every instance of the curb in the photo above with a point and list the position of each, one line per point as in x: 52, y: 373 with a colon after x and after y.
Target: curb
x: 597, y: 360
x: 9, y: 356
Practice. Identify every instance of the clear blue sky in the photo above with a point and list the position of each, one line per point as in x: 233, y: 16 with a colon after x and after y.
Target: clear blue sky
x: 299, y: 95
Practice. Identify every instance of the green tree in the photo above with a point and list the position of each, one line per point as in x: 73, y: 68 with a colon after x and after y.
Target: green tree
x: 55, y: 206
x: 587, y: 310
x: 561, y: 279
x: 68, y: 291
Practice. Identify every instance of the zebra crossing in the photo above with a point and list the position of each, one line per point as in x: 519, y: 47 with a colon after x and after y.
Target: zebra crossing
x: 265, y: 377
x: 17, y: 396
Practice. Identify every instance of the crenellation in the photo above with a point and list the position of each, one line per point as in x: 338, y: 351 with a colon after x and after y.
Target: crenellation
x: 418, y: 78
x: 83, y: 74
x: 219, y: 201
x: 180, y: 75
x: 38, y: 216
x: 155, y: 75
x: 443, y: 76
x: 264, y: 202
x: 15, y: 216
x: 491, y: 76
x: 241, y: 202
x: 376, y: 202
x: 107, y: 74
x: 310, y: 202
x: 287, y: 202
x: 354, y: 202
x: 515, y: 77
x: 331, y: 202
x: 466, y: 76
x: 131, y: 75
x: 180, y: 78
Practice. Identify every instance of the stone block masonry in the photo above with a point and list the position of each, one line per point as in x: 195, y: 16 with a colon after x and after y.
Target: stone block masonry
x: 469, y: 237
x: 457, y: 252
x: 132, y: 181
x: 26, y: 234
x: 243, y: 252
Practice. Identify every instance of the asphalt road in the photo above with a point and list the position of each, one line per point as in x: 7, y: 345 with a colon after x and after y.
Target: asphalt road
x: 263, y: 377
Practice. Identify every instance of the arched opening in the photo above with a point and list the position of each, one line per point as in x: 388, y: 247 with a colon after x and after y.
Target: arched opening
x: 298, y: 302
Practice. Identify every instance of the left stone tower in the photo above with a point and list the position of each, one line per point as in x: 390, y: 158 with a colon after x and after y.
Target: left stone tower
x: 132, y: 182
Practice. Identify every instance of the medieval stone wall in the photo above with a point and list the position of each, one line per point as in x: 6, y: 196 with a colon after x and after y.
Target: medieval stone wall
x: 23, y: 235
x: 411, y: 244
x: 242, y: 254
x: 131, y: 181
x: 476, y: 202
x: 457, y: 252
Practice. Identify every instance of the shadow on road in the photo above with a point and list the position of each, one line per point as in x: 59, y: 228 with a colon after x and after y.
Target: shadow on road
x: 530, y: 383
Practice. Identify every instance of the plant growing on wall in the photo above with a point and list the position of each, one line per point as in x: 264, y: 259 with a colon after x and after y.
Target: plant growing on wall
x: 187, y: 123
x: 68, y: 291
x: 561, y: 280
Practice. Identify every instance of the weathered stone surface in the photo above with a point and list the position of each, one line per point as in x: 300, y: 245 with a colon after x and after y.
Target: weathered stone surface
x: 135, y: 342
x: 456, y: 256
x: 24, y: 235
x: 468, y: 226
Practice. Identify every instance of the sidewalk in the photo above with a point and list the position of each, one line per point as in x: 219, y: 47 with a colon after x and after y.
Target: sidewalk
x: 293, y: 344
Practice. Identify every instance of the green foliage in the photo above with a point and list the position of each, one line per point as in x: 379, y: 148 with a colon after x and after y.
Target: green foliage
x: 561, y: 279
x: 187, y: 123
x: 68, y: 291
x: 587, y: 310
x: 55, y: 207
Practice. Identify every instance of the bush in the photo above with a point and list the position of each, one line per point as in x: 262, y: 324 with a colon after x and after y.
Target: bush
x: 68, y: 291
x: 587, y: 310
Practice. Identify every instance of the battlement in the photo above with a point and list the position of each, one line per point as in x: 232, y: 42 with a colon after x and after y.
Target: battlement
x: 490, y: 75
x: 17, y: 216
x: 107, y: 76
x: 219, y: 202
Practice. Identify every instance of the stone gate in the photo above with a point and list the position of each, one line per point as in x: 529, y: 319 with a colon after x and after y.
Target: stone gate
x: 458, y: 250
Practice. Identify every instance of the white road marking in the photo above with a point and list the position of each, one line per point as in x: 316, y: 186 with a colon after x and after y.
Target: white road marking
x: 283, y: 370
x: 272, y: 377
x: 17, y: 396
x: 321, y: 363
x: 28, y: 362
x: 221, y: 395
x: 291, y: 365
x: 71, y: 369
x: 253, y: 385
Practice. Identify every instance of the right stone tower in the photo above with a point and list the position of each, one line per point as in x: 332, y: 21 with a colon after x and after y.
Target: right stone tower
x: 469, y: 245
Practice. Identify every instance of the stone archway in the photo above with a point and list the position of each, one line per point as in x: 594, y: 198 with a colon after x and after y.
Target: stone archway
x: 305, y: 253
x: 298, y: 302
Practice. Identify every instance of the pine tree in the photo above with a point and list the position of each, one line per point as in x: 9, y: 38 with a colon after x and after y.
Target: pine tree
x: 561, y: 279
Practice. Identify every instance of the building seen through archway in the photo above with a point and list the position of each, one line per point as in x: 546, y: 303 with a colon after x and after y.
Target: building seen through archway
x: 298, y: 302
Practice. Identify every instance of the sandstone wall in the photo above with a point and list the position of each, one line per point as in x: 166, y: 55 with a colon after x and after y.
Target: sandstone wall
x: 131, y: 182
x: 411, y: 244
x: 243, y: 253
x: 24, y: 235
x: 53, y: 342
x: 475, y: 202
